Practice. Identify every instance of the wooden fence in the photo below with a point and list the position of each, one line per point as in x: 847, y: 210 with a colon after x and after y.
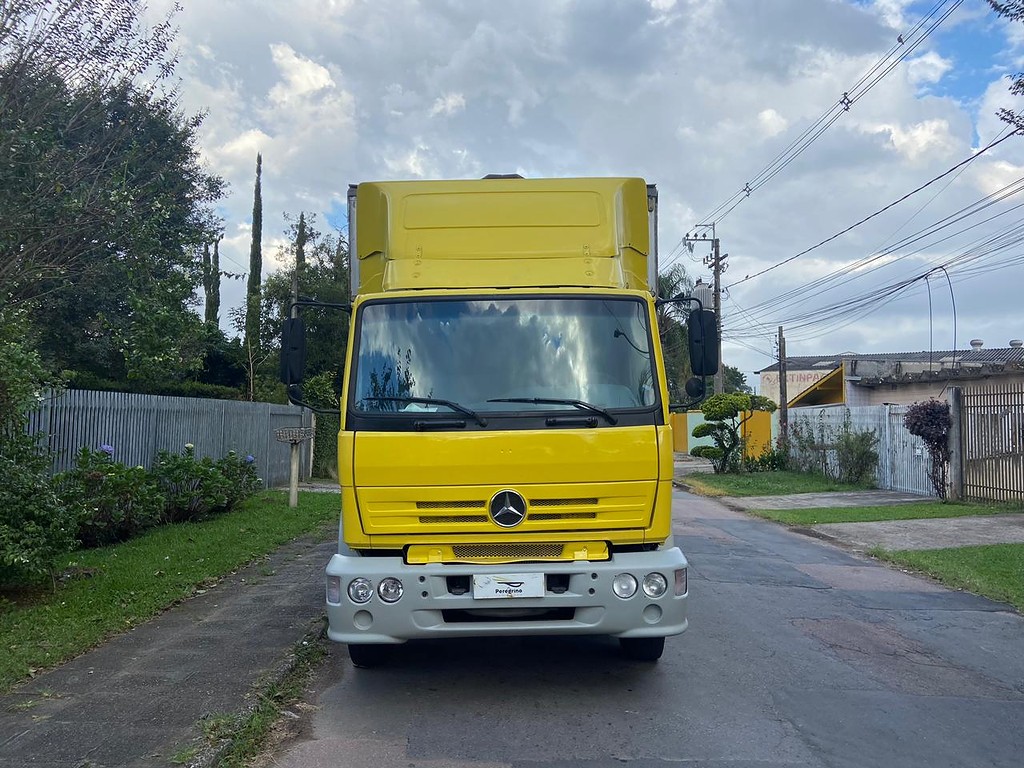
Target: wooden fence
x: 137, y: 426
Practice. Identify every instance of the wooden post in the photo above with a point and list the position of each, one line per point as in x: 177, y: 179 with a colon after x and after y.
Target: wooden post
x: 293, y: 485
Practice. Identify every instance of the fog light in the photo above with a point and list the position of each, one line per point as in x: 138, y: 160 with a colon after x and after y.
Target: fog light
x: 624, y: 585
x: 390, y: 590
x: 334, y: 589
x: 681, y: 581
x: 360, y: 590
x: 655, y: 585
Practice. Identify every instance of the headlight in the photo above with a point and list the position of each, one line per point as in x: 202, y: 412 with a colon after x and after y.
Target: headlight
x: 360, y: 590
x: 655, y: 585
x: 624, y: 585
x: 390, y: 590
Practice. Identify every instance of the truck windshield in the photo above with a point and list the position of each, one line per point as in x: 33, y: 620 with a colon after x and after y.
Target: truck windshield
x: 476, y: 352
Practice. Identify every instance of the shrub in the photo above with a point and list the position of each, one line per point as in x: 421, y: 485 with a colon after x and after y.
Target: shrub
x: 240, y: 472
x: 319, y: 391
x: 841, y: 453
x: 111, y: 502
x: 772, y: 459
x: 931, y: 421
x: 35, y: 526
x: 193, y: 489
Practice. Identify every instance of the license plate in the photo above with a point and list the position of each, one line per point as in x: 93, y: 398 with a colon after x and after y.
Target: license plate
x: 505, y: 585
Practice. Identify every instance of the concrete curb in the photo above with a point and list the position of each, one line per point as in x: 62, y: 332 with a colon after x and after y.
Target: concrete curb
x: 211, y: 754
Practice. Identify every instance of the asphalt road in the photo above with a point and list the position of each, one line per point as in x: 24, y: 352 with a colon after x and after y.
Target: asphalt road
x: 798, y: 654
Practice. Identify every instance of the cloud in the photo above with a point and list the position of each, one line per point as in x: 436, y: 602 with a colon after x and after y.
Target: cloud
x: 448, y: 104
x: 698, y: 96
x: 301, y: 77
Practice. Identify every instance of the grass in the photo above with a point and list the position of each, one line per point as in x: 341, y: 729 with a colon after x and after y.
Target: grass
x: 236, y: 740
x: 994, y: 570
x: 114, y: 588
x: 910, y: 511
x: 765, y: 484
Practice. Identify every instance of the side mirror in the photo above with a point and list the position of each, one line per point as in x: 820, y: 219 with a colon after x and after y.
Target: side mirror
x: 695, y: 387
x: 293, y: 352
x: 703, y: 332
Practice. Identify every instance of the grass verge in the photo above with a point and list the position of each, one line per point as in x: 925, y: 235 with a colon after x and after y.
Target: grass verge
x: 232, y: 741
x: 764, y: 484
x: 994, y: 570
x: 111, y: 589
x: 911, y: 511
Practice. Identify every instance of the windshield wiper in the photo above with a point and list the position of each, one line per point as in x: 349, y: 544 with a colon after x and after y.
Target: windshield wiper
x: 435, y: 401
x: 581, y: 404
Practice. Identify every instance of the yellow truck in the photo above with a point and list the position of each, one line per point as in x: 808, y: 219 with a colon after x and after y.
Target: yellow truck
x: 505, y: 452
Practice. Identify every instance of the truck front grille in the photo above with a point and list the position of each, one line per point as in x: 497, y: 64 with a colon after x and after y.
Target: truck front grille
x: 506, y: 551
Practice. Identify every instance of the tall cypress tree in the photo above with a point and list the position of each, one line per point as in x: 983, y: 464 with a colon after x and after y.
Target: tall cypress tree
x: 252, y: 304
x: 211, y: 282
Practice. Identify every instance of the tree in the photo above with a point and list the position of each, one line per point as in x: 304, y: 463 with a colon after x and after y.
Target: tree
x: 211, y: 282
x: 1014, y: 11
x: 672, y: 330
x: 723, y: 414
x: 735, y: 380
x: 252, y: 293
x: 103, y: 199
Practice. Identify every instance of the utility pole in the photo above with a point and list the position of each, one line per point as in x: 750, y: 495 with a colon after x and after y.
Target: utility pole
x: 783, y: 395
x: 715, y: 260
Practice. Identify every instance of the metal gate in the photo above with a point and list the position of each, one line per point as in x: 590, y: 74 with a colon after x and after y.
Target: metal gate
x: 992, y: 432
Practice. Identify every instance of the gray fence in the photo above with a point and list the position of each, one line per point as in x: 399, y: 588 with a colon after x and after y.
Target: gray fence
x: 137, y: 426
x: 903, y: 459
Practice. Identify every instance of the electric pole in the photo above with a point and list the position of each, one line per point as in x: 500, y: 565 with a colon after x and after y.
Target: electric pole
x: 715, y: 260
x: 783, y: 395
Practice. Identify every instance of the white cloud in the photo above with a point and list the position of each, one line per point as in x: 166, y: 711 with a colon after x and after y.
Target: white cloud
x: 448, y: 104
x: 771, y: 122
x: 695, y: 95
x: 301, y: 76
x: 927, y: 68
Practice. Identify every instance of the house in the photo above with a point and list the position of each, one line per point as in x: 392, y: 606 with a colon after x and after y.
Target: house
x: 853, y: 379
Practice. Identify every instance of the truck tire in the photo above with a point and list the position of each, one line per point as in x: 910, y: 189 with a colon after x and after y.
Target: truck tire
x: 642, y: 648
x: 367, y: 656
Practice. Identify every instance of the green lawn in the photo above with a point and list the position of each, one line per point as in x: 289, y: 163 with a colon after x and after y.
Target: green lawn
x: 911, y: 511
x: 994, y: 570
x: 117, y: 587
x: 764, y: 484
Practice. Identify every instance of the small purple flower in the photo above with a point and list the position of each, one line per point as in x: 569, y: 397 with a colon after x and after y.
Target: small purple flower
x: 108, y: 449
x: 250, y: 459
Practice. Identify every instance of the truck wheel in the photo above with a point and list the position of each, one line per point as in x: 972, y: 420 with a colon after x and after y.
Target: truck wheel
x: 366, y: 656
x: 642, y: 648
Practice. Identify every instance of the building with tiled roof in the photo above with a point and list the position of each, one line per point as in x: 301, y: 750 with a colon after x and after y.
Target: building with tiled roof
x: 850, y: 378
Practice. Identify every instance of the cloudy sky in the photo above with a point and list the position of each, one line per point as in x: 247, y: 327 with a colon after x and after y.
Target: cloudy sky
x: 701, y: 97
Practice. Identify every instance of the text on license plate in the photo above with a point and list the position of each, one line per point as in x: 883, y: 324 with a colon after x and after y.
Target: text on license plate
x: 508, y: 585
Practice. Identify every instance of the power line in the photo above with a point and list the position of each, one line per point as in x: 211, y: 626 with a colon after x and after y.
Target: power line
x: 877, y: 213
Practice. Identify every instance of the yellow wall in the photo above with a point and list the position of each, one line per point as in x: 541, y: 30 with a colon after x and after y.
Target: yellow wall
x: 756, y: 430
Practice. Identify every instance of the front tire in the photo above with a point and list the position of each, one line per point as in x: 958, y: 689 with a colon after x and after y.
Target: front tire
x: 368, y: 656
x: 642, y: 648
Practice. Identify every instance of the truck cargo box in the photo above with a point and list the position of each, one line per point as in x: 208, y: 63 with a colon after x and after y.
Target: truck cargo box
x: 503, y: 232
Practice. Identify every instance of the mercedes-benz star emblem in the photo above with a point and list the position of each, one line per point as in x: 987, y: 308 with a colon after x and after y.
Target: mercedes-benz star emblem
x: 508, y: 509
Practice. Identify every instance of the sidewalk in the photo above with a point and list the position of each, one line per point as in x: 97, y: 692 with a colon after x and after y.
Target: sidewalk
x: 137, y: 699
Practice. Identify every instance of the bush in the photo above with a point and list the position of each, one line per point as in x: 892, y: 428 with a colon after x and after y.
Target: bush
x: 35, y: 526
x: 111, y: 502
x: 193, y: 490
x: 773, y: 458
x: 241, y: 476
x: 319, y: 391
x: 932, y: 421
x: 842, y: 453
